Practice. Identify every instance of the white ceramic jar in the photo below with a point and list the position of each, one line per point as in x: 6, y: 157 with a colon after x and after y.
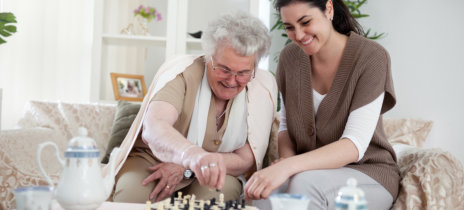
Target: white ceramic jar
x: 350, y: 197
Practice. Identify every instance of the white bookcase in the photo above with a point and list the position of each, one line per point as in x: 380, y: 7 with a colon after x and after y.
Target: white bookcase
x: 179, y: 15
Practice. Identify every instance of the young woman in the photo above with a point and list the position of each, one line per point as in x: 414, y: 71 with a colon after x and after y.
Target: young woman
x: 335, y: 86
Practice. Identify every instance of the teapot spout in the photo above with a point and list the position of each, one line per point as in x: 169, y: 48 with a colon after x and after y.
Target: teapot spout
x: 108, y: 181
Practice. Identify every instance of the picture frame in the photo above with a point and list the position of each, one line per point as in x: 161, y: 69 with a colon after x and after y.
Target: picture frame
x: 128, y: 87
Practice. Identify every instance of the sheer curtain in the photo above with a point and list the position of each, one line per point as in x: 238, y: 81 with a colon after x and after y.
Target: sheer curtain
x: 49, y: 58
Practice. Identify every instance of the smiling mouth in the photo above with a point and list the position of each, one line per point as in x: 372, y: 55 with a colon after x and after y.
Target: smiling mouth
x: 226, y: 86
x: 307, y: 42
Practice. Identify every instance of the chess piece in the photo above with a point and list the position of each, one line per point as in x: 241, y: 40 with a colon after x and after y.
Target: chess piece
x: 148, y: 206
x: 202, y: 203
x: 221, y: 200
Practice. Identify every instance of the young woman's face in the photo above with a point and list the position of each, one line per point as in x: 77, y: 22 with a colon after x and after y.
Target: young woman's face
x: 307, y: 26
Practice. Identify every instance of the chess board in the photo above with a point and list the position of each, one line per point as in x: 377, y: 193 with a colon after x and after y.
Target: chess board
x: 191, y: 203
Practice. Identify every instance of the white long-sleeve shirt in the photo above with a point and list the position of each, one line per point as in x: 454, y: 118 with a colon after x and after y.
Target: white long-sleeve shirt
x: 361, y: 122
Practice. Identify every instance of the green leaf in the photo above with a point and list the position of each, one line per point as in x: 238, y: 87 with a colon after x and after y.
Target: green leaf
x: 5, y: 34
x: 6, y: 30
x: 7, y: 17
x: 376, y: 36
x: 360, y: 15
x: 10, y: 28
x: 276, y: 24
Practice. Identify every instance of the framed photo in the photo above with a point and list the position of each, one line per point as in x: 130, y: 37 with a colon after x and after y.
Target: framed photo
x: 128, y: 87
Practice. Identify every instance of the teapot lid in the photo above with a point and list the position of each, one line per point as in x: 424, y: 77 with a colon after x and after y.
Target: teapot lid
x: 351, y: 195
x: 82, y: 146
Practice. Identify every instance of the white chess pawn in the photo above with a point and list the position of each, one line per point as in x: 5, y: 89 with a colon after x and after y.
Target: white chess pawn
x: 193, y: 198
x: 221, y: 200
x: 202, y: 204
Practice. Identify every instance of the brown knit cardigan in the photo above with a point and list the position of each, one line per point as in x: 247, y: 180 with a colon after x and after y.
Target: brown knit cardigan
x: 364, y: 73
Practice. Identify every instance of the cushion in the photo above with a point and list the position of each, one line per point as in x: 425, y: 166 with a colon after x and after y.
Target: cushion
x: 431, y: 179
x: 407, y: 131
x: 125, y: 115
x: 65, y: 119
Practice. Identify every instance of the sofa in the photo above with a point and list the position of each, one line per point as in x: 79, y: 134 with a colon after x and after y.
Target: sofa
x: 431, y: 178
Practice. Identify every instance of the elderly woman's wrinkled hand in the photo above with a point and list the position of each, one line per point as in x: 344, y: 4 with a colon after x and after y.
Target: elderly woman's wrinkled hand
x: 209, y: 168
x: 169, y: 175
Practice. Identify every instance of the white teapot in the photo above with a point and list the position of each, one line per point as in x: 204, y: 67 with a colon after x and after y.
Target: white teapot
x: 81, y: 185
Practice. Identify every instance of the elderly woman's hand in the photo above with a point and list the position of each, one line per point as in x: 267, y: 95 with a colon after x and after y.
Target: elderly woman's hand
x: 209, y: 168
x: 169, y: 175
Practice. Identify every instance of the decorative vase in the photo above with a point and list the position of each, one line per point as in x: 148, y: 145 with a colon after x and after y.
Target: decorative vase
x: 138, y: 26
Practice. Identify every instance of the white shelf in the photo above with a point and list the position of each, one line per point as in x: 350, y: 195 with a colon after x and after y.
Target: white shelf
x: 173, y: 40
x: 131, y: 40
x: 193, y: 43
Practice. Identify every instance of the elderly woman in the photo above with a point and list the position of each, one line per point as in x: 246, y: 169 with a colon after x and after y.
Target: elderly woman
x: 206, y: 120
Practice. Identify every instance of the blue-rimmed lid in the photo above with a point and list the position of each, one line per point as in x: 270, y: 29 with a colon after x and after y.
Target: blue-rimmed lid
x: 291, y: 196
x: 33, y: 188
x: 82, y: 146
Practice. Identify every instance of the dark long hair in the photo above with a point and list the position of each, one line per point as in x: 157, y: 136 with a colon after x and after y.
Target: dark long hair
x: 343, y: 21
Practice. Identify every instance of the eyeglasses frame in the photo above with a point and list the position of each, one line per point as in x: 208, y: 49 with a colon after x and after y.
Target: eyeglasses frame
x: 231, y: 73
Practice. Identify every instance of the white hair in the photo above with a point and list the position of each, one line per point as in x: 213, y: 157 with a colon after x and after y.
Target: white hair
x: 241, y: 31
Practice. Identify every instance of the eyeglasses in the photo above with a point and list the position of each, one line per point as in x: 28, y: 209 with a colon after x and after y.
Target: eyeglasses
x: 223, y: 73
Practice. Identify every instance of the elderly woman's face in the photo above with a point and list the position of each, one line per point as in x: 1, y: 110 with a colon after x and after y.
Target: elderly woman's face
x: 230, y: 74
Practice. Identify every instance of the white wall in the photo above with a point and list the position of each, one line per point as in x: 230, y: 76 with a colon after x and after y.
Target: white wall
x: 424, y: 38
x: 425, y: 42
x: 49, y: 58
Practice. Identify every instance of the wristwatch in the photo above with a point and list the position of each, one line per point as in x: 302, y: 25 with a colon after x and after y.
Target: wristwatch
x: 188, y: 174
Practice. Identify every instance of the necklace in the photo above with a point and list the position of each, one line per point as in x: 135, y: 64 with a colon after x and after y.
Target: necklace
x: 219, y: 117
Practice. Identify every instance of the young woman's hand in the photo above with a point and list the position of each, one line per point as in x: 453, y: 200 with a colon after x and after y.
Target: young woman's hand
x: 264, y: 181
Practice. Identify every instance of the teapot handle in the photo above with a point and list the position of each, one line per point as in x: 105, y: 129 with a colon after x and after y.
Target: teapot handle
x: 38, y: 157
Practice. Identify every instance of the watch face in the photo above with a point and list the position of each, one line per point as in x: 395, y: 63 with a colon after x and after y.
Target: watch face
x: 188, y: 174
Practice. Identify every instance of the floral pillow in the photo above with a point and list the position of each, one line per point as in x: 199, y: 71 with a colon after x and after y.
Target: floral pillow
x: 407, y: 131
x: 431, y: 178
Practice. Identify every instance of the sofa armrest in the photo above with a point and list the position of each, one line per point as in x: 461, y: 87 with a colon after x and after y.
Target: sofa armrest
x: 18, y: 165
x: 431, y: 179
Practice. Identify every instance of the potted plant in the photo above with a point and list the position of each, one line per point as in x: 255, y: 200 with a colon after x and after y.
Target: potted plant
x: 7, y: 27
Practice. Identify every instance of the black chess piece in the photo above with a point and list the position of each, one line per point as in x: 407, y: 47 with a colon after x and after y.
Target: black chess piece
x: 172, y: 199
x: 196, y: 34
x: 243, y: 203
